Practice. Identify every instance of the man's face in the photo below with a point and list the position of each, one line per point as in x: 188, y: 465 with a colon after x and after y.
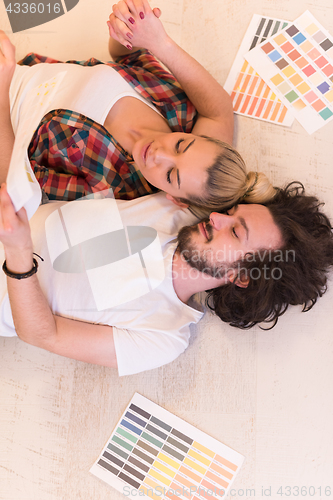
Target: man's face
x: 214, y: 245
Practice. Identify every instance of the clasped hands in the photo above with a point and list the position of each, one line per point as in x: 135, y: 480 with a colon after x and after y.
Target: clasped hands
x: 133, y: 23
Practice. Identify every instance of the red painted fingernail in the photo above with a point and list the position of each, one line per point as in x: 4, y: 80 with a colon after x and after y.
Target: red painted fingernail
x: 129, y: 35
x: 142, y: 16
x: 129, y: 47
x: 131, y: 20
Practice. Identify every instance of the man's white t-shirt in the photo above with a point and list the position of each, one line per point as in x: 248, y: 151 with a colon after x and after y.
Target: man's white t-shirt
x: 125, y: 282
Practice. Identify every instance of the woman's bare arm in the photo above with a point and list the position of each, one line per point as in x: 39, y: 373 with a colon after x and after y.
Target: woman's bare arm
x: 212, y: 102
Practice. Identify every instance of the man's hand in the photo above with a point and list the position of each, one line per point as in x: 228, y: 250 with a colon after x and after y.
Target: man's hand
x: 14, y: 231
x: 7, y: 62
x: 134, y: 23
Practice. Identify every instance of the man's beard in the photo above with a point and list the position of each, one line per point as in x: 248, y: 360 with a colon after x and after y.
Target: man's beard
x: 199, y: 259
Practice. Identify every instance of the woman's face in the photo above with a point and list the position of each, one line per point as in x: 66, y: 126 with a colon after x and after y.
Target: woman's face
x: 176, y: 163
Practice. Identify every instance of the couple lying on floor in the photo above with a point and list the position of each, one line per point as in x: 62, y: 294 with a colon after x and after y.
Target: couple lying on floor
x: 133, y: 128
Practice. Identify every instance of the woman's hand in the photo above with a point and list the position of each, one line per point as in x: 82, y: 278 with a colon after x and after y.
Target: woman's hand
x: 7, y: 62
x: 14, y: 228
x: 134, y: 23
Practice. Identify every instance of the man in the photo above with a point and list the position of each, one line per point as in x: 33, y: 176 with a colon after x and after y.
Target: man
x: 288, y: 244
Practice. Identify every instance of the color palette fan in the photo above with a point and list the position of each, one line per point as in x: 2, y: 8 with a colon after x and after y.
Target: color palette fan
x: 297, y: 64
x: 249, y: 93
x: 152, y: 453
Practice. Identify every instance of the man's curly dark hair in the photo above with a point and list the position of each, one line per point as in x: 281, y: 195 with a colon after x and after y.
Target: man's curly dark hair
x: 295, y: 274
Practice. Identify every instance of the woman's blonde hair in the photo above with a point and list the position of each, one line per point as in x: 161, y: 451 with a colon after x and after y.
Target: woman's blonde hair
x: 228, y: 183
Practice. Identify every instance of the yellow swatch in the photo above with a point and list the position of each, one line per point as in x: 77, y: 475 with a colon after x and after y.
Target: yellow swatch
x: 277, y: 79
x: 204, y: 450
x: 168, y: 460
x: 164, y: 469
x: 159, y: 476
x: 199, y: 457
x: 195, y: 466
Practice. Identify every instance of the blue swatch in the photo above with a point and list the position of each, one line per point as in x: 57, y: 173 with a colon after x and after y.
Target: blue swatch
x: 299, y: 38
x: 131, y: 427
x: 275, y: 55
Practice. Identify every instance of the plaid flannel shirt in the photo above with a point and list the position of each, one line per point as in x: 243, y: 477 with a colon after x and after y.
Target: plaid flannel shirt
x: 72, y: 155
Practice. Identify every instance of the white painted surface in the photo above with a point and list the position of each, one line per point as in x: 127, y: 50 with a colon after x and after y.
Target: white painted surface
x: 268, y: 395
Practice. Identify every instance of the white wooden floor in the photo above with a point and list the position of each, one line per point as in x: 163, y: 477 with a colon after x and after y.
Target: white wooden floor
x: 268, y: 395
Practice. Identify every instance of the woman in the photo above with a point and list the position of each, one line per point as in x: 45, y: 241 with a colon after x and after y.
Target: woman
x: 123, y: 138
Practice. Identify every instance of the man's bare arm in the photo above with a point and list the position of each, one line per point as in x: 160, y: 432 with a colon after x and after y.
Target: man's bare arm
x: 33, y: 318
x: 7, y: 68
x: 212, y: 102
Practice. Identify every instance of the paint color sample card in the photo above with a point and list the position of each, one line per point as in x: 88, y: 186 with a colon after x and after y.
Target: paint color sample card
x: 152, y: 453
x: 297, y: 64
x: 249, y: 93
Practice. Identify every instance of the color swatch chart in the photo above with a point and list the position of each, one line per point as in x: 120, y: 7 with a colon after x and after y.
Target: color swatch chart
x: 249, y: 93
x: 155, y: 454
x: 297, y: 63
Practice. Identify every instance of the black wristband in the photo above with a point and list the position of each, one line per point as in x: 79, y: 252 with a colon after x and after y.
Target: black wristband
x: 23, y: 275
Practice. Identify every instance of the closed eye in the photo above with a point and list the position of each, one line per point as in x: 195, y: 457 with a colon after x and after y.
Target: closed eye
x: 234, y: 232
x: 178, y: 144
x: 168, y: 175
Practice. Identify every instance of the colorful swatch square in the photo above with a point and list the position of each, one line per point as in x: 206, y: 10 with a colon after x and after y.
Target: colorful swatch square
x: 303, y: 88
x: 288, y: 71
x: 292, y: 30
x: 280, y: 39
x: 323, y: 88
x: 294, y: 55
x: 321, y: 61
x: 287, y: 47
x: 282, y: 63
x: 267, y: 48
x: 326, y: 44
x: 309, y: 70
x: 306, y: 46
x: 291, y: 96
x: 314, y: 54
x: 299, y: 38
x: 299, y: 105
x: 311, y: 97
x: 318, y: 105
x: 329, y: 96
x: 326, y: 113
x: 284, y: 88
x: 312, y: 28
x: 328, y: 70
x: 301, y: 62
x: 319, y: 37
x: 316, y: 79
x: 296, y: 79
x: 274, y: 56
x: 277, y: 79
